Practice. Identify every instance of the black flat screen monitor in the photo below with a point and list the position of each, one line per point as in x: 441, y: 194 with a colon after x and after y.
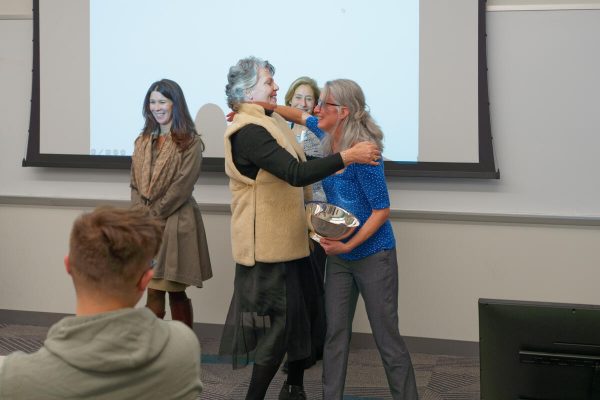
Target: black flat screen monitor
x: 539, y: 351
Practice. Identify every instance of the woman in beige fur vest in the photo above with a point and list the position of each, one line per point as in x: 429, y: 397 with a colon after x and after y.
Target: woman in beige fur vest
x: 270, y: 313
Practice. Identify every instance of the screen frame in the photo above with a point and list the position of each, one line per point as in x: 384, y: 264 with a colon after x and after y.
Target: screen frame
x: 485, y: 168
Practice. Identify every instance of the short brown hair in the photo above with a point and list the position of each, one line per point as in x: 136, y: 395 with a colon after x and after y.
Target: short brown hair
x: 109, y: 247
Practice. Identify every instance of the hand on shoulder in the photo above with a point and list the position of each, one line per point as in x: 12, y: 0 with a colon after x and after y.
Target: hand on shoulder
x: 362, y: 153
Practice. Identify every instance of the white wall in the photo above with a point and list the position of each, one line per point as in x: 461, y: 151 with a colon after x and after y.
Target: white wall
x: 543, y: 86
x: 32, y: 274
x: 455, y: 240
x: 16, y: 8
x: 444, y: 267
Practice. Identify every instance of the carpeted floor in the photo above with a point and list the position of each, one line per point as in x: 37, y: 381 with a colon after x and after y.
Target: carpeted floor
x: 439, y: 377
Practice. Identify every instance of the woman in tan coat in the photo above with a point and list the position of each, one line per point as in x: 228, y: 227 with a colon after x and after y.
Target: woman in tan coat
x: 165, y: 166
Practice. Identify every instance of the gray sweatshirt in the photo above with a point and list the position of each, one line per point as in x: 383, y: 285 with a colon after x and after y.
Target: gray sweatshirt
x: 124, y: 354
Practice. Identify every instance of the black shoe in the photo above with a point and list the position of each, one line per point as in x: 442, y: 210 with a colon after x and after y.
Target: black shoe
x: 292, y: 392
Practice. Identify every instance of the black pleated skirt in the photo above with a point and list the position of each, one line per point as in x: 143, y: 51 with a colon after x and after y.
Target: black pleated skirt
x: 276, y: 308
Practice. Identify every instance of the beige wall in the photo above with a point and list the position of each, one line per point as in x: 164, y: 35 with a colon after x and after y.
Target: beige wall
x: 16, y: 8
x: 509, y: 5
x: 444, y: 267
x: 35, y: 240
x: 445, y: 263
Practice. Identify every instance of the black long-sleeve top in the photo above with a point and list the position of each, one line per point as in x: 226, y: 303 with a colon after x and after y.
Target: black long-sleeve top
x: 253, y: 148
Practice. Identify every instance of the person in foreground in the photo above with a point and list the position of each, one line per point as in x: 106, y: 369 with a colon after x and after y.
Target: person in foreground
x: 165, y: 165
x: 270, y: 310
x: 365, y: 263
x: 109, y: 349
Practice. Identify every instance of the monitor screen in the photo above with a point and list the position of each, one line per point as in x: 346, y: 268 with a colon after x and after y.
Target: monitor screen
x: 539, y: 351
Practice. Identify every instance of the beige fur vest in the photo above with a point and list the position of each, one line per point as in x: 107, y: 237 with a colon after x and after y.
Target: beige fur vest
x: 268, y: 222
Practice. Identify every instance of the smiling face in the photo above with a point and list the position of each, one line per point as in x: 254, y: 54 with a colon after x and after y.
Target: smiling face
x: 329, y: 113
x: 304, y: 99
x: 161, y: 109
x: 265, y: 88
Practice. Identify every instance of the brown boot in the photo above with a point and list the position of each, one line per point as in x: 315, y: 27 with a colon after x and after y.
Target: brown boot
x: 155, y: 301
x: 181, y: 310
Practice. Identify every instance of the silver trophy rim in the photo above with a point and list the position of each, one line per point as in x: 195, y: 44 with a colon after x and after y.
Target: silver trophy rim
x: 317, y: 237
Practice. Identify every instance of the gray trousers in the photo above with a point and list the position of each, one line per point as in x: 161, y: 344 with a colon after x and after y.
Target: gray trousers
x: 376, y: 278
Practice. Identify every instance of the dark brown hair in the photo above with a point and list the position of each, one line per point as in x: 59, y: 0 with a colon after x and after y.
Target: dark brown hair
x: 183, y: 128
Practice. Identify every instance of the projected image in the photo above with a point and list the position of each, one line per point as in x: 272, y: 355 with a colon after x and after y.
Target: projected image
x: 194, y: 43
x: 421, y: 64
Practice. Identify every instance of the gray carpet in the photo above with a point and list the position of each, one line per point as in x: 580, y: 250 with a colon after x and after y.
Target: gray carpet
x: 439, y: 377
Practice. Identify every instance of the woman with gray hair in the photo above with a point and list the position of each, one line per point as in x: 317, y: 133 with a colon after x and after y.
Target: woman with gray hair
x: 269, y: 312
x: 365, y: 263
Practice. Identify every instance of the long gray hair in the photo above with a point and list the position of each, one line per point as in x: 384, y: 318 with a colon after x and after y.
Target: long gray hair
x: 359, y: 125
x: 242, y: 77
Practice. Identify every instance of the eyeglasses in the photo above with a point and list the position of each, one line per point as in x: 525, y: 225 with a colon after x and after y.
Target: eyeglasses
x: 321, y: 102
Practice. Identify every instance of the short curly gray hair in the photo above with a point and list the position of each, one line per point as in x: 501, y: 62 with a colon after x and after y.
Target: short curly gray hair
x: 242, y: 77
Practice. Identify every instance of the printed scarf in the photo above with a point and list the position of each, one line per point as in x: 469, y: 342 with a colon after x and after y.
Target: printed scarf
x: 152, y: 181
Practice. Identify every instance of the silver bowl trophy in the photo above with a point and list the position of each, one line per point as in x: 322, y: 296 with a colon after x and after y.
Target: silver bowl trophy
x: 329, y: 221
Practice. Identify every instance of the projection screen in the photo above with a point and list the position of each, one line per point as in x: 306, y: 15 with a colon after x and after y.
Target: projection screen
x: 421, y: 65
